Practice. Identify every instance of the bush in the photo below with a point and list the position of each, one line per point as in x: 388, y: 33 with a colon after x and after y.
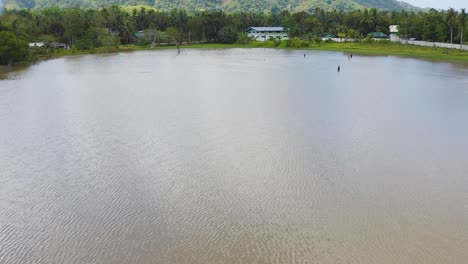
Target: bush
x: 296, y: 43
x: 228, y: 35
x: 318, y: 40
x: 83, y: 44
x: 12, y: 49
x: 243, y: 39
x: 73, y: 49
x: 369, y: 39
x: 353, y: 34
x: 277, y: 42
x: 384, y: 42
x: 143, y: 42
x: 35, y: 51
x: 270, y: 44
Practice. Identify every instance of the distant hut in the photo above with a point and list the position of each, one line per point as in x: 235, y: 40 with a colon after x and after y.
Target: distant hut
x: 378, y: 35
x: 37, y: 45
x: 58, y: 45
x: 394, y: 33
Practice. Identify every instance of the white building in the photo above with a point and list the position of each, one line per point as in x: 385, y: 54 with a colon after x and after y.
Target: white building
x: 265, y: 33
x: 394, y: 33
x: 37, y: 44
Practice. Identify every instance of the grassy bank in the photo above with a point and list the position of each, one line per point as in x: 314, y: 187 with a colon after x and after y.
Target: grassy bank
x: 427, y: 53
x: 396, y: 49
x: 430, y: 53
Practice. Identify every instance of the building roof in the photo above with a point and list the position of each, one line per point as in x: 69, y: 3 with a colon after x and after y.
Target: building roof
x: 379, y: 35
x: 393, y: 28
x: 267, y: 29
x: 140, y: 34
x: 329, y: 36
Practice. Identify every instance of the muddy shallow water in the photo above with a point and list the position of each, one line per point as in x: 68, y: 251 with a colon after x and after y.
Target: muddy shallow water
x: 234, y: 156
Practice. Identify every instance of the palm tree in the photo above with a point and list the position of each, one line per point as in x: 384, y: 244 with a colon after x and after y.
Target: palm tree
x: 374, y: 15
x: 451, y: 20
x: 366, y: 20
x: 462, y: 19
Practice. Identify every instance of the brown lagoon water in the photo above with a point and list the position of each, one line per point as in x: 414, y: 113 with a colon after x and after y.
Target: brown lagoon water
x: 234, y: 156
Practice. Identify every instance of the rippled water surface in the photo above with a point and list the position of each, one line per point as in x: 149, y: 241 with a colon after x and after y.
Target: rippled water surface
x: 234, y: 156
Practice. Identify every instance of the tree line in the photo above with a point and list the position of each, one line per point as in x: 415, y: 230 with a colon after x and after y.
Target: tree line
x: 115, y: 25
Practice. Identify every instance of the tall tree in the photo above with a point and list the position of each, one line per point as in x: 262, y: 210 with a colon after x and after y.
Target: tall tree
x: 374, y: 15
x: 451, y: 20
x: 366, y: 21
x: 462, y: 19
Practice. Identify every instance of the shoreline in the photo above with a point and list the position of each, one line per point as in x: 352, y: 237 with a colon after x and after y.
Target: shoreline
x: 400, y: 50
x: 393, y: 49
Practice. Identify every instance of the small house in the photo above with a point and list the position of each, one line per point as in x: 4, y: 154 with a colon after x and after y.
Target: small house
x: 266, y: 33
x: 394, y: 33
x: 36, y: 44
x: 57, y: 45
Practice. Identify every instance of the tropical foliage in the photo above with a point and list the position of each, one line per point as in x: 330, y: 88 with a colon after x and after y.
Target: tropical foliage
x: 83, y: 29
x: 11, y: 48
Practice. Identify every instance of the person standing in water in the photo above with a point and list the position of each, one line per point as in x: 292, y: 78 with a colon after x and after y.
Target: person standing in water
x: 339, y: 68
x: 304, y: 55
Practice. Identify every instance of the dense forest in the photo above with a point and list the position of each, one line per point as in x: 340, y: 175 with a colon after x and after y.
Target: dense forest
x: 274, y: 6
x: 113, y: 26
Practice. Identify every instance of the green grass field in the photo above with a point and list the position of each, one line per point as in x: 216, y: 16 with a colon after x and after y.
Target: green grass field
x: 430, y: 53
x: 438, y: 54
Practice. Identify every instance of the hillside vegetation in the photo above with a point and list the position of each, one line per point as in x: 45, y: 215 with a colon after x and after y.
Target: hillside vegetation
x: 274, y: 6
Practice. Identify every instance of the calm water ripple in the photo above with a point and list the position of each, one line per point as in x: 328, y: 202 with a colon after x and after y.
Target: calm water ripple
x: 234, y: 156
